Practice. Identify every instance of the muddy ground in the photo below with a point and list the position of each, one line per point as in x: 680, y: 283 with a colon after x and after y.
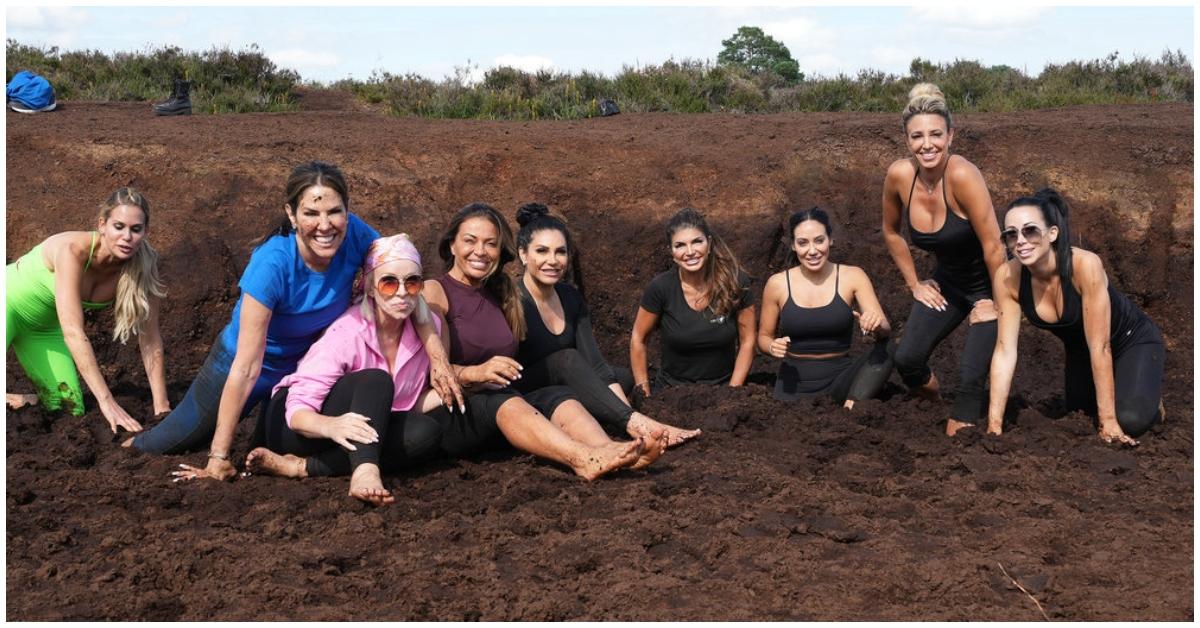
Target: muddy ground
x: 780, y: 511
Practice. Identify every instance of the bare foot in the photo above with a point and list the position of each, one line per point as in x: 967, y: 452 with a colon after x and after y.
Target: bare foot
x: 656, y: 446
x: 266, y: 462
x: 953, y: 426
x: 365, y: 484
x: 930, y: 390
x: 1162, y: 412
x: 644, y: 426
x: 849, y: 405
x: 607, y: 458
x: 16, y: 401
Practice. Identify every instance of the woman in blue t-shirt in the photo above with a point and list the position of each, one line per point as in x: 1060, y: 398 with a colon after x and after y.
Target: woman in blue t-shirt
x: 702, y: 309
x: 297, y: 282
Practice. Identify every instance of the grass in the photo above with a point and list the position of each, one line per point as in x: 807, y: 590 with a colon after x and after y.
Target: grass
x: 229, y: 81
x: 223, y: 80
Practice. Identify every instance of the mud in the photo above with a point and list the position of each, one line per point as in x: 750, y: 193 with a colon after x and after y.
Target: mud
x: 780, y: 511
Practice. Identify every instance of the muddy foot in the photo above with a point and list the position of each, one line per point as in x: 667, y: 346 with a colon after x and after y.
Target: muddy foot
x: 365, y: 484
x: 930, y: 390
x: 952, y: 426
x: 644, y: 426
x: 656, y: 446
x: 266, y: 462
x: 610, y: 457
x: 16, y: 401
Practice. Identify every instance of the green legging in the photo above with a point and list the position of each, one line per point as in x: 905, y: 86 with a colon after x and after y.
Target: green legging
x: 34, y: 334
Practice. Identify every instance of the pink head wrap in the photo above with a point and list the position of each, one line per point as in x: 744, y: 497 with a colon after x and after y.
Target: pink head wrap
x: 388, y: 249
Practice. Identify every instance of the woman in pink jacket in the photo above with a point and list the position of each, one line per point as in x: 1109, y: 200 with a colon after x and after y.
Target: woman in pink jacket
x: 360, y: 396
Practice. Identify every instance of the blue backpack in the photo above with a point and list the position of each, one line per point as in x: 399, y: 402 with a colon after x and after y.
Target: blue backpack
x: 31, y: 92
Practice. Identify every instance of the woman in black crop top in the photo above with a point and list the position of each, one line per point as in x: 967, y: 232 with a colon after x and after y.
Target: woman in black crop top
x: 808, y: 322
x: 1114, y: 351
x: 570, y: 355
x: 949, y: 215
x: 702, y: 309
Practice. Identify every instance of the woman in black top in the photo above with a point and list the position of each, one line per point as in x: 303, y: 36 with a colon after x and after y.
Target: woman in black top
x: 570, y: 355
x: 702, y: 308
x: 1114, y: 351
x: 808, y: 322
x: 958, y: 225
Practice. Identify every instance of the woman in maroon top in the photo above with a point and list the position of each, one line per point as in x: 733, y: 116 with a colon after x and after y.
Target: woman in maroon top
x: 481, y: 305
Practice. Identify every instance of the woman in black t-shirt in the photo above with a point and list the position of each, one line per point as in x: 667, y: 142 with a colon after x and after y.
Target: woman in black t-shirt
x: 702, y: 308
x: 570, y: 356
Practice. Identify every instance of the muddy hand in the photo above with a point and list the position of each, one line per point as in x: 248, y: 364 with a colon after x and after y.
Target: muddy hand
x: 217, y: 469
x: 1112, y: 432
x: 118, y: 417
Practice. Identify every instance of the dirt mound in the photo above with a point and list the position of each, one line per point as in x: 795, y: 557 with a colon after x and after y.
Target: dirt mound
x: 780, y: 511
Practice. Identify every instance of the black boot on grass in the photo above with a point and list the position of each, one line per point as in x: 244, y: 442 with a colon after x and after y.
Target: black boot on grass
x: 179, y: 104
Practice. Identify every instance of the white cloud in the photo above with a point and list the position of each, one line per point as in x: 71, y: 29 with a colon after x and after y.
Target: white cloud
x: 46, y: 18
x: 980, y: 15
x: 801, y: 33
x: 822, y: 63
x: 170, y: 22
x: 526, y: 63
x: 304, y: 60
x: 892, y: 58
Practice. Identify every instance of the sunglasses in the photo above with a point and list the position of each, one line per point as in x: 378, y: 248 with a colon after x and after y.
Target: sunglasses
x: 389, y: 285
x: 1032, y: 233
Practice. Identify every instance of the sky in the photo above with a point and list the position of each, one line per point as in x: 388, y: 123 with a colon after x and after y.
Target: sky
x: 327, y: 44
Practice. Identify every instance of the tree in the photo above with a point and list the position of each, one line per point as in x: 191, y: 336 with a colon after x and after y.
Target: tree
x: 758, y: 52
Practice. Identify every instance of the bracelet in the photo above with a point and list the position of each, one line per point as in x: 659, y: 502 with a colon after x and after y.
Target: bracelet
x: 213, y: 454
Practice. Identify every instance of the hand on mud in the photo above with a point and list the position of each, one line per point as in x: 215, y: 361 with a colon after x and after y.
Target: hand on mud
x: 984, y: 311
x: 499, y: 370
x: 118, y: 417
x: 217, y: 469
x: 1111, y: 432
x: 442, y: 380
x: 351, y: 426
x: 929, y: 293
x: 868, y: 322
x: 779, y: 347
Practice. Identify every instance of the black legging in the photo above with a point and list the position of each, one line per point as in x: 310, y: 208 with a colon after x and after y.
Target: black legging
x: 926, y: 328
x: 842, y: 378
x: 569, y: 368
x: 405, y: 438
x: 1137, y: 379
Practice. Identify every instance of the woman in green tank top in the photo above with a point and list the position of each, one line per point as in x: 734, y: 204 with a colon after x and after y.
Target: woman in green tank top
x: 49, y: 288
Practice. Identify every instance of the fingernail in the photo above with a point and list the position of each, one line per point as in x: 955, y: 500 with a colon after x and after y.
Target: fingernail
x: 462, y: 409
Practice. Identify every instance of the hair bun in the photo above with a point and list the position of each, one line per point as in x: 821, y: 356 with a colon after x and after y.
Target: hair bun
x: 925, y: 90
x: 529, y: 212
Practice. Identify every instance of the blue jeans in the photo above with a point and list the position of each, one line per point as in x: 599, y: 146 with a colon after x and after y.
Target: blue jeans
x: 191, y: 425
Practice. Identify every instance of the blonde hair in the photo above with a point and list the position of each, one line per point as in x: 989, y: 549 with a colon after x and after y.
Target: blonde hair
x: 139, y: 278
x: 377, y: 254
x: 926, y: 98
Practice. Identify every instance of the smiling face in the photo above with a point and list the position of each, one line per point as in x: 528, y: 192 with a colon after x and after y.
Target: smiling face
x: 401, y: 304
x: 123, y: 230
x: 320, y: 223
x: 1026, y: 235
x: 689, y: 249
x: 810, y: 242
x: 476, y: 249
x: 929, y: 139
x: 547, y: 257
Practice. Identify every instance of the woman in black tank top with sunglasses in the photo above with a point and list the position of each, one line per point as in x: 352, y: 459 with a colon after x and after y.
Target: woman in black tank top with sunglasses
x: 1114, y: 352
x: 957, y: 224
x: 810, y: 326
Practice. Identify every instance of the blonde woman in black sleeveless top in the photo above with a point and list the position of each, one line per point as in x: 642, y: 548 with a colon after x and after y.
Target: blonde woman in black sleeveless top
x: 945, y: 204
x: 1114, y: 352
x: 808, y: 322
